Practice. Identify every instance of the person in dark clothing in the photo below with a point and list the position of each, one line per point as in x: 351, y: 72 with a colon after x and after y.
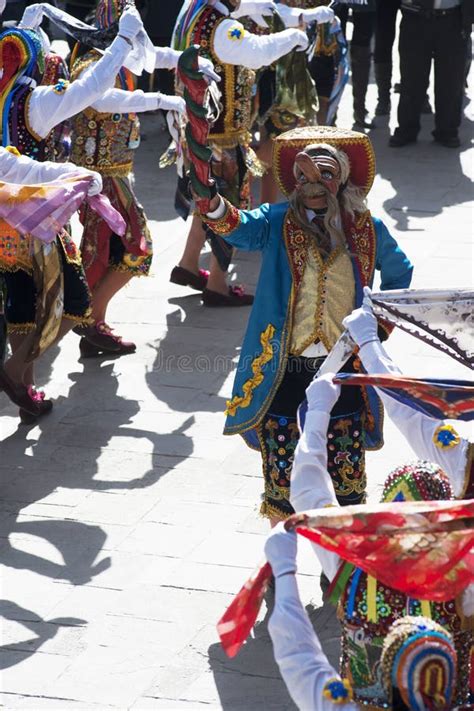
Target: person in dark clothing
x: 437, y: 29
x: 385, y: 30
x: 363, y: 18
x: 159, y: 19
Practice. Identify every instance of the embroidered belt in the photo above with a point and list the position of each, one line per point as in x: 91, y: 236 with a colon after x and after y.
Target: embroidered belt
x: 112, y: 171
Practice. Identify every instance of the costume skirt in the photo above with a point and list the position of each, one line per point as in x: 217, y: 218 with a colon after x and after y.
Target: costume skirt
x: 278, y: 436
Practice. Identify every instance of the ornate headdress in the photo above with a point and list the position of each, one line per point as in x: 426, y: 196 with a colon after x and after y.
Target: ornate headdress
x: 356, y: 146
x: 419, y: 659
x: 417, y: 481
x: 21, y: 52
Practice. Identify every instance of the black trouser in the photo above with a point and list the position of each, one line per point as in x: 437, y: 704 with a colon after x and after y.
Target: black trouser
x: 421, y: 38
x: 385, y: 29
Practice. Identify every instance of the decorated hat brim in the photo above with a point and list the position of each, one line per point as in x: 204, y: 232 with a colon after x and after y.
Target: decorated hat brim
x: 357, y: 146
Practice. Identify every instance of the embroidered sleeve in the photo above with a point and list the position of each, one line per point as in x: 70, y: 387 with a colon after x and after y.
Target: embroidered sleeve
x: 226, y: 224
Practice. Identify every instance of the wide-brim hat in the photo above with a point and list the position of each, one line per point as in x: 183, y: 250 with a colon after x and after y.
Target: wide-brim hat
x: 357, y: 146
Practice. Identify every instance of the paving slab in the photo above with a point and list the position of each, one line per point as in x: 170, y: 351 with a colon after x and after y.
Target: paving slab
x: 128, y: 521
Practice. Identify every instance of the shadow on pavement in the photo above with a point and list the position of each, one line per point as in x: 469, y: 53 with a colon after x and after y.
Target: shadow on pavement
x: 196, y: 356
x: 252, y: 678
x: 443, y: 184
x: 66, y: 455
x: 43, y: 630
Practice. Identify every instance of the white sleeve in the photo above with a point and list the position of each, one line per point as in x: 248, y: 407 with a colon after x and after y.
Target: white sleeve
x: 311, y: 485
x: 166, y: 58
x: 25, y: 171
x: 233, y: 44
x: 418, y: 429
x: 298, y: 652
x: 47, y: 108
x: 122, y: 101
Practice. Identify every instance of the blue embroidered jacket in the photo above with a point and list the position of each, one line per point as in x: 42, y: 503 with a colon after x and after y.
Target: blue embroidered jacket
x: 271, y: 230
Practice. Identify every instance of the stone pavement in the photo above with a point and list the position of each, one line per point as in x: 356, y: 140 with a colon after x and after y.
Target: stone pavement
x: 127, y: 520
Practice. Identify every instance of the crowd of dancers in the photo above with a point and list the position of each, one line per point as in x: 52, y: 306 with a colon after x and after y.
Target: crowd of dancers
x: 257, y: 92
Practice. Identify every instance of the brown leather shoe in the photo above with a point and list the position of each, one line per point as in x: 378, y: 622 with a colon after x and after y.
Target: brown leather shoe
x: 102, y: 339
x: 184, y: 277
x: 18, y: 393
x: 45, y: 407
x: 235, y: 297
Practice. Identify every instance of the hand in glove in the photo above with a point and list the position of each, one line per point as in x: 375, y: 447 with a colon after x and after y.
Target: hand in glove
x: 95, y: 187
x: 303, y: 42
x: 207, y: 68
x: 280, y: 550
x: 32, y: 17
x: 322, y: 15
x: 322, y: 394
x: 254, y: 7
x: 171, y: 103
x: 362, y: 324
x: 130, y: 23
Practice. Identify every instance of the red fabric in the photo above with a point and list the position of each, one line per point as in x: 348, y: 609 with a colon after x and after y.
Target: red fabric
x: 239, y: 618
x: 423, y: 549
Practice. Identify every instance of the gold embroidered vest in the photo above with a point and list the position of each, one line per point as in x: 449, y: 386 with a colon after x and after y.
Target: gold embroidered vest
x: 234, y: 123
x: 101, y: 141
x: 325, y: 296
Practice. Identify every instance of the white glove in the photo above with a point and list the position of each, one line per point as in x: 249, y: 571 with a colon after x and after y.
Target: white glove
x: 207, y: 68
x: 322, y: 394
x: 362, y: 324
x: 254, y: 7
x: 170, y: 103
x: 95, y: 187
x: 32, y: 17
x: 302, y: 42
x: 130, y: 23
x: 322, y: 15
x: 280, y: 550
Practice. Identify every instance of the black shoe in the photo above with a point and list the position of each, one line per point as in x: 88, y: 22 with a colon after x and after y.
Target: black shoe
x: 398, y: 140
x: 449, y: 142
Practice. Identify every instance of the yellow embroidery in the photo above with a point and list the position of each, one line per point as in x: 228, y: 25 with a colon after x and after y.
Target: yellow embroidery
x: 13, y: 150
x: 446, y: 437
x: 249, y: 386
x: 236, y: 33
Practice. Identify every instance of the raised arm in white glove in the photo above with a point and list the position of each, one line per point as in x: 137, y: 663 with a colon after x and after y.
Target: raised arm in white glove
x: 298, y: 653
x: 130, y: 23
x: 362, y: 324
x: 280, y: 550
x: 171, y: 103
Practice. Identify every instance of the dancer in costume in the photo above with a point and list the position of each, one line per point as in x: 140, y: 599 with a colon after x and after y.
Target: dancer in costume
x: 29, y: 113
x: 289, y: 90
x: 367, y: 608
x: 418, y: 660
x: 236, y: 53
x: 319, y: 250
x: 105, y: 136
x: 434, y: 440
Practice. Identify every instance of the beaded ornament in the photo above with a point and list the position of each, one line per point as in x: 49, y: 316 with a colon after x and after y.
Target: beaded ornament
x: 417, y: 481
x: 419, y: 659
